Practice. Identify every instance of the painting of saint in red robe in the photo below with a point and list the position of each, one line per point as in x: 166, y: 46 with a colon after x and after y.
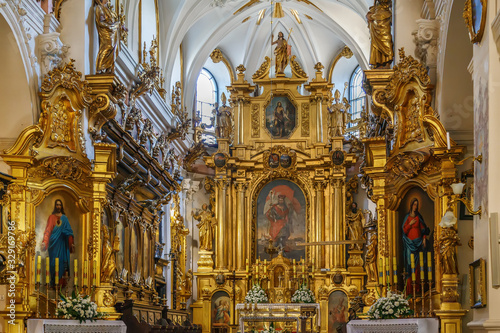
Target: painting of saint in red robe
x: 281, y: 220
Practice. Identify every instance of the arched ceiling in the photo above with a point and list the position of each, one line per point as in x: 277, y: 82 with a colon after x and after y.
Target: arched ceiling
x: 243, y: 33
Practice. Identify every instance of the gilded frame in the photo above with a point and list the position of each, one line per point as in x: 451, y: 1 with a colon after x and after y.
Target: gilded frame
x: 477, y: 284
x: 475, y: 27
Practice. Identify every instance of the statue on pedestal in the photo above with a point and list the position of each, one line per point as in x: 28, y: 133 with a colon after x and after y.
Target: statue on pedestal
x: 371, y: 250
x: 224, y: 127
x: 354, y: 222
x: 282, y: 52
x: 338, y: 116
x: 107, y: 23
x: 206, y: 226
x: 448, y: 241
x: 379, y: 19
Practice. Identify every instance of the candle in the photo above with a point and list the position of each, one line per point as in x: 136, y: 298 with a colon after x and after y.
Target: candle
x: 294, y: 268
x: 387, y: 271
x: 265, y: 266
x: 429, y: 266
x: 412, y: 261
x: 303, y: 267
x: 47, y: 270
x: 38, y: 268
x: 421, y: 258
x: 94, y: 275
x: 57, y: 271
x: 76, y: 272
x: 247, y: 265
x: 380, y: 271
x: 395, y: 269
x: 448, y: 140
x: 86, y: 269
x: 257, y: 269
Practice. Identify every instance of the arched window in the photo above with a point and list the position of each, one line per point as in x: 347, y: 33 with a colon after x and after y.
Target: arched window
x: 357, y: 96
x: 206, y: 95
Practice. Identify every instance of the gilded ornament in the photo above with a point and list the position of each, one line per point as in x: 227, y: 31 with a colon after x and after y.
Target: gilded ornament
x: 193, y: 153
x: 216, y: 56
x: 62, y: 167
x: 346, y: 52
x: 255, y: 120
x: 108, y: 24
x: 263, y: 70
x: 319, y: 67
x: 406, y: 165
x: 123, y: 26
x: 297, y: 70
x: 241, y: 69
x: 304, y: 120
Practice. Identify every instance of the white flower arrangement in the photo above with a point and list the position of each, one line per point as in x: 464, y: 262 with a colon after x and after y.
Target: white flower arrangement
x: 256, y: 295
x: 303, y: 295
x: 391, y: 307
x: 78, y: 307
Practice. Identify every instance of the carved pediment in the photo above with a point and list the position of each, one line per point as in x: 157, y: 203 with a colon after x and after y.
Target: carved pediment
x: 407, y: 165
x: 64, y: 167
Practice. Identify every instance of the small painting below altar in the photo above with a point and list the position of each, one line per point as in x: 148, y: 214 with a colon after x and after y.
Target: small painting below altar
x: 280, y: 117
x: 220, y: 308
x: 281, y: 219
x: 338, y: 313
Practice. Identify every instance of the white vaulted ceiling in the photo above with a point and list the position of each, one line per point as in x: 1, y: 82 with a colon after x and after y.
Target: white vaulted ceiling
x: 201, y: 27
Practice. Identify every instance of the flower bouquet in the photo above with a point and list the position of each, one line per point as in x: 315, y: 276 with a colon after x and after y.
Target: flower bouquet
x: 256, y: 295
x: 303, y: 295
x: 79, y: 308
x: 391, y: 307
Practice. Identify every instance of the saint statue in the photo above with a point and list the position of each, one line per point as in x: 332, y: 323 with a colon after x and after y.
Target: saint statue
x: 206, y: 226
x: 282, y: 52
x: 224, y: 120
x: 107, y: 23
x: 338, y: 116
x: 379, y: 19
x: 58, y: 239
x: 108, y: 262
x: 371, y: 251
x: 448, y: 241
x: 355, y: 221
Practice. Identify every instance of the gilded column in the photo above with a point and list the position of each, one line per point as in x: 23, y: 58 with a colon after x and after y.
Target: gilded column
x: 240, y: 122
x: 338, y: 222
x: 240, y: 223
x: 220, y: 256
x: 319, y: 187
x: 319, y: 119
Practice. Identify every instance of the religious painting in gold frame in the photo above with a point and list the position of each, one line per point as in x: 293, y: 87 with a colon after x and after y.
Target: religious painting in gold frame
x: 281, y: 219
x: 338, y: 306
x: 477, y: 284
x: 281, y: 117
x: 221, y: 310
x: 59, y: 234
x: 475, y: 18
x: 417, y: 237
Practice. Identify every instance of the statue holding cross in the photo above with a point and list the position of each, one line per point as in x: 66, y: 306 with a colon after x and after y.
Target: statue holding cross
x: 282, y: 52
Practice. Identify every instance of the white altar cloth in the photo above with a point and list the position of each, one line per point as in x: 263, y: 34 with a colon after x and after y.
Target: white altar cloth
x: 74, y: 326
x: 407, y: 325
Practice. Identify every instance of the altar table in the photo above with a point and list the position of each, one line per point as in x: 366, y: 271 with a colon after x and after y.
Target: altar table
x: 74, y: 326
x: 269, y: 312
x: 407, y: 325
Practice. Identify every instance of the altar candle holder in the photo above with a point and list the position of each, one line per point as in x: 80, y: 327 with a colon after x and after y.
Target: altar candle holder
x: 56, y: 297
x: 430, y: 299
x: 47, y: 285
x: 38, y: 284
x: 414, y: 297
x: 422, y: 285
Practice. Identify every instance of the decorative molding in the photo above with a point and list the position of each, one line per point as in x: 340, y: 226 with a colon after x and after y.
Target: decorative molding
x: 426, y: 41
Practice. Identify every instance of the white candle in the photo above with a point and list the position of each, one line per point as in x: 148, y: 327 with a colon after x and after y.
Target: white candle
x: 448, y: 140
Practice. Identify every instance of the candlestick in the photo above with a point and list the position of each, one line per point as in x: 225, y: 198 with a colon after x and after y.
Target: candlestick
x: 429, y: 266
x: 303, y: 267
x: 94, y: 273
x: 265, y: 266
x: 421, y: 257
x: 57, y: 271
x: 47, y: 271
x: 448, y: 140
x: 38, y: 269
x: 387, y: 271
x: 380, y: 271
x: 412, y: 262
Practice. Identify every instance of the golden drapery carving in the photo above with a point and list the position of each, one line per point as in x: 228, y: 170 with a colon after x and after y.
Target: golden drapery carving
x: 379, y: 22
x: 107, y: 23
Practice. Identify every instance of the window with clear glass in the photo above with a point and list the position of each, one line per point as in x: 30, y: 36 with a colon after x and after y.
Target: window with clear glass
x: 206, y: 96
x: 357, y: 96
